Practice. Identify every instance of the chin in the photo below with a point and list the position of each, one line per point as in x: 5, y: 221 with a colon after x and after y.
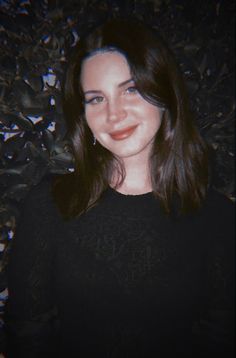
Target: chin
x: 122, y: 154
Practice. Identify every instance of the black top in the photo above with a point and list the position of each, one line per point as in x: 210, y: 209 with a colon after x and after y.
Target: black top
x: 122, y: 281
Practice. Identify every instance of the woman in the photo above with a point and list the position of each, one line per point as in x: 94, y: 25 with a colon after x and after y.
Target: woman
x: 132, y: 254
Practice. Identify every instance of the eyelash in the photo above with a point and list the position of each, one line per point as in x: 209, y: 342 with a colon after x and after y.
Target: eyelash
x: 94, y: 101
x: 133, y: 88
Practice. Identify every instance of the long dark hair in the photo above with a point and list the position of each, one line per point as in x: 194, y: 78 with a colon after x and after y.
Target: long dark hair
x: 178, y: 162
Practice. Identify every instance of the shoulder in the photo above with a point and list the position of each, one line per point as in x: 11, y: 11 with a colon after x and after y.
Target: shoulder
x: 218, y: 206
x: 39, y: 194
x: 219, y: 199
x: 214, y: 219
x: 39, y: 201
x: 65, y: 193
x: 39, y: 226
x: 217, y: 218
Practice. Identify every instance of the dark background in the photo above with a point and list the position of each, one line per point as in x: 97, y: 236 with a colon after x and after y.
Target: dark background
x: 35, y: 39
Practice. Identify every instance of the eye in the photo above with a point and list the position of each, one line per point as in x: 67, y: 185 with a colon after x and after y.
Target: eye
x: 131, y: 89
x: 94, y: 100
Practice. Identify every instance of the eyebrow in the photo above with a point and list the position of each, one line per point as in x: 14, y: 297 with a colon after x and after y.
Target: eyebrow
x: 119, y: 86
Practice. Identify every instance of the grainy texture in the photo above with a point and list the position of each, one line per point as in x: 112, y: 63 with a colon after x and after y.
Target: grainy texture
x: 127, y: 280
x: 35, y: 39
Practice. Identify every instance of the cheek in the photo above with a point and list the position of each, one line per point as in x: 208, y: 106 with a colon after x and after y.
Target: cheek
x: 152, y: 114
x: 94, y: 116
x: 91, y: 119
x: 146, y: 109
x: 90, y: 124
x: 96, y: 126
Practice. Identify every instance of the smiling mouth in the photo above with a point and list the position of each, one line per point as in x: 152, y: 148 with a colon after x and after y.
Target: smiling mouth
x: 123, y: 134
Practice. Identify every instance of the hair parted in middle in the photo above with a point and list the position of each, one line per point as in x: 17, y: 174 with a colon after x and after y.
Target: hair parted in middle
x: 178, y: 161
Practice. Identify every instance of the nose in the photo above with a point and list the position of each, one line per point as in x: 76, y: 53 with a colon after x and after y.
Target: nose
x: 116, y: 111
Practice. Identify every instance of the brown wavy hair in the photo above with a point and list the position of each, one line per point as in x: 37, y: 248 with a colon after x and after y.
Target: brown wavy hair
x: 178, y: 162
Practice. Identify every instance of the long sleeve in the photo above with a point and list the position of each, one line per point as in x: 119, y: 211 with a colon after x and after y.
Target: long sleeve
x: 128, y: 280
x: 31, y: 312
x: 218, y: 326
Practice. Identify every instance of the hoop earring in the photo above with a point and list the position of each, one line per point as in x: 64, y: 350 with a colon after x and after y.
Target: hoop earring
x: 94, y: 140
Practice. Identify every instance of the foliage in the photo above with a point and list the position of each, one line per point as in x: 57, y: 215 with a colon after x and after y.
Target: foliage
x: 35, y: 41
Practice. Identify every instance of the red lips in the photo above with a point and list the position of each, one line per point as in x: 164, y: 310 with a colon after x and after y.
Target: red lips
x: 122, y: 134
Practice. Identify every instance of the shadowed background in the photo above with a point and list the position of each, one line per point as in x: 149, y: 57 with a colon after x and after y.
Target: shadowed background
x: 35, y: 41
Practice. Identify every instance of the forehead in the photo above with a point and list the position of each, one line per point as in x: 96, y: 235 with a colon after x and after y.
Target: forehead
x: 104, y: 66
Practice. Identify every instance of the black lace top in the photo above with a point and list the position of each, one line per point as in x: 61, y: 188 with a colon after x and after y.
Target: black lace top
x: 123, y: 280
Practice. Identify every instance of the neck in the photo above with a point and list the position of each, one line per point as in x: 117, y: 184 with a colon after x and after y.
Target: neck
x: 137, y: 177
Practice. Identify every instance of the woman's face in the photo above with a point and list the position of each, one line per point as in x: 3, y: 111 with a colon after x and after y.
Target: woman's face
x: 119, y: 117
